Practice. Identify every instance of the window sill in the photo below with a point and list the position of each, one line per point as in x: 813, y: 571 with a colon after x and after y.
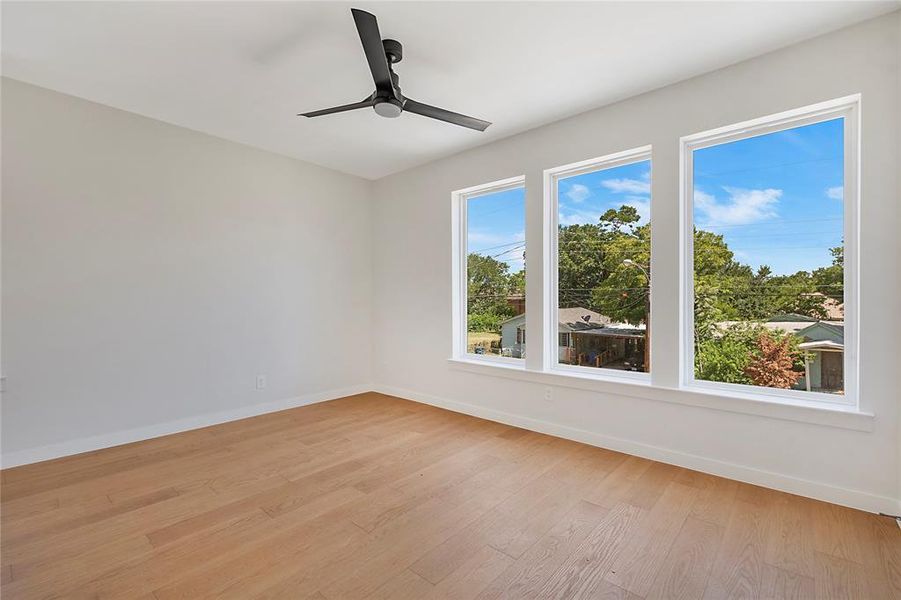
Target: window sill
x: 789, y: 409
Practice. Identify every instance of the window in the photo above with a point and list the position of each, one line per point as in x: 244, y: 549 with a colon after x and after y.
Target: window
x: 767, y: 302
x: 770, y: 251
x: 601, y: 231
x: 490, y: 262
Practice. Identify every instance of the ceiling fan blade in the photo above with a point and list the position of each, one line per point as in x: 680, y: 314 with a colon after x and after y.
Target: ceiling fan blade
x: 336, y: 109
x: 368, y: 28
x: 445, y: 115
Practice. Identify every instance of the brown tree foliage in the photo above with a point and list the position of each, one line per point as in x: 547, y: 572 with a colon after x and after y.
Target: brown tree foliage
x: 774, y: 364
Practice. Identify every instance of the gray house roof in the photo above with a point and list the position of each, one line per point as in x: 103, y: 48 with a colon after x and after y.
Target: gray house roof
x: 577, y: 318
x: 804, y: 327
x: 574, y: 319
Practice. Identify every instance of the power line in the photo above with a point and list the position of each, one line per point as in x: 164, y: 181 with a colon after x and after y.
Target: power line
x: 516, y: 243
x: 770, y: 223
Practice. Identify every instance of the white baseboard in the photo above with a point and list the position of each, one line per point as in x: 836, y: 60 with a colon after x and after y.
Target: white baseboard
x: 802, y: 487
x: 107, y: 440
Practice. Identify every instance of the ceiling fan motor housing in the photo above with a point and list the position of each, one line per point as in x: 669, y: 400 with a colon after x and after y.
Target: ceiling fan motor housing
x: 387, y: 107
x: 394, y: 50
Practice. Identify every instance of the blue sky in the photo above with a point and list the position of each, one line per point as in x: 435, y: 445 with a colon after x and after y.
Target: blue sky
x: 497, y: 226
x: 584, y: 198
x: 776, y: 198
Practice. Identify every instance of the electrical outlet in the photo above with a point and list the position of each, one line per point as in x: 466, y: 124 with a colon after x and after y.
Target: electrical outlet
x: 261, y: 382
x: 548, y: 394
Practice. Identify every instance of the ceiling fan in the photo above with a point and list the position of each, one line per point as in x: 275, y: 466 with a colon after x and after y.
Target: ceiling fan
x: 386, y: 100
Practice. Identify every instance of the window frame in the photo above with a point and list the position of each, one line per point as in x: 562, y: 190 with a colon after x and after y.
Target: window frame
x: 460, y: 250
x: 550, y: 325
x: 847, y: 108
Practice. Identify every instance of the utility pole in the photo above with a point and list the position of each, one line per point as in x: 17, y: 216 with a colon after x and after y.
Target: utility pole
x: 647, y: 312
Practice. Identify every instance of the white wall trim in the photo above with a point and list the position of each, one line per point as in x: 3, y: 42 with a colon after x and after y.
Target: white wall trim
x: 802, y: 487
x: 108, y: 440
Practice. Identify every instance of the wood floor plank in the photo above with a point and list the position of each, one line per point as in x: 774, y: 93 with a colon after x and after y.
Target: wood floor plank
x: 466, y: 582
x: 524, y: 578
x: 143, y: 572
x: 249, y: 568
x: 636, y: 566
x: 686, y: 567
x: 837, y: 578
x: 515, y: 487
x: 420, y: 487
x: 650, y: 485
x: 406, y: 586
x: 738, y: 568
x: 789, y: 543
x: 582, y: 574
x: 779, y: 584
x: 880, y: 547
x: 616, y: 487
x: 715, y: 499
x: 373, y: 496
x: 834, y: 531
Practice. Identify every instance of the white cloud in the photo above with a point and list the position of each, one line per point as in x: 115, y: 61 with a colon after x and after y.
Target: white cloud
x: 836, y: 193
x: 577, y: 192
x: 743, y: 207
x: 629, y: 186
x: 579, y: 217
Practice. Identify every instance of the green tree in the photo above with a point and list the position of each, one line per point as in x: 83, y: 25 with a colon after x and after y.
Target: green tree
x: 623, y: 294
x: 794, y: 294
x: 489, y: 284
x: 581, y: 264
x: 831, y: 280
x: 591, y: 270
x: 518, y: 282
x: 722, y: 284
x: 724, y: 355
x: 742, y: 353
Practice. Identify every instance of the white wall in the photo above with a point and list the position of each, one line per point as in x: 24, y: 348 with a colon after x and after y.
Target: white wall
x: 412, y: 275
x: 151, y: 272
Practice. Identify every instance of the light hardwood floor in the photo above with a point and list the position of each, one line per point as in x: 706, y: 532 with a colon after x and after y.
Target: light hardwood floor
x: 375, y: 497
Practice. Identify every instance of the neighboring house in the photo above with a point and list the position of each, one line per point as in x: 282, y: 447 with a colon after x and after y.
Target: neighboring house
x: 824, y: 346
x: 517, y: 302
x: 835, y: 310
x: 824, y: 343
x: 584, y: 337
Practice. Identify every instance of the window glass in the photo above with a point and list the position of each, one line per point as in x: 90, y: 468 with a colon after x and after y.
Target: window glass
x: 496, y: 273
x: 768, y: 215
x: 603, y: 268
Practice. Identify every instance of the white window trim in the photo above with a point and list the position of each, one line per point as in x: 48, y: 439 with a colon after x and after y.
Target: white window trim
x: 551, y: 221
x: 819, y: 413
x: 459, y: 253
x: 847, y: 108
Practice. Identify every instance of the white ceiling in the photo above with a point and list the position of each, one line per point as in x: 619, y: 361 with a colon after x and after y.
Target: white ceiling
x: 242, y: 70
